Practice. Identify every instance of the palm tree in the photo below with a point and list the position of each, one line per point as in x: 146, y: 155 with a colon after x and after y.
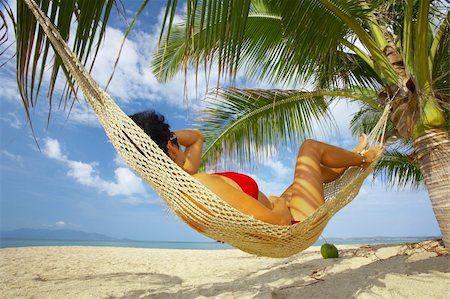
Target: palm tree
x: 377, y: 53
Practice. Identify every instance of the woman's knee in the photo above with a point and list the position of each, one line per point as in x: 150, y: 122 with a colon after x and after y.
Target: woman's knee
x: 310, y: 144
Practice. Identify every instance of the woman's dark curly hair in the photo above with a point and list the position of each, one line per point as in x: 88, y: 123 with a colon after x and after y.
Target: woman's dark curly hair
x: 154, y: 125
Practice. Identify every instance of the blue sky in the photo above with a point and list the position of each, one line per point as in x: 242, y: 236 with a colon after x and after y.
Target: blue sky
x: 77, y: 181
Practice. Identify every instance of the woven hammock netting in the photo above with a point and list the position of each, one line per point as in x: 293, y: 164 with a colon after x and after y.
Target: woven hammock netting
x: 185, y: 196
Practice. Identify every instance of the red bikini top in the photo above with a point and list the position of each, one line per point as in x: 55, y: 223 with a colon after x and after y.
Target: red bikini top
x: 247, y: 184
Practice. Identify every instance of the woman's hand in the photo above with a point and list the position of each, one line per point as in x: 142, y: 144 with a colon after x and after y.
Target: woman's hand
x: 280, y: 207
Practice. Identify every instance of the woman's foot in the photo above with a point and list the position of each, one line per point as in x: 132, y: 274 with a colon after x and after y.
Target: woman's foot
x: 371, y: 155
x: 362, y: 144
x: 358, y: 149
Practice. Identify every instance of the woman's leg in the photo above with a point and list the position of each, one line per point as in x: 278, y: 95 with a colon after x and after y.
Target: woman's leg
x: 331, y: 174
x: 306, y: 191
x: 262, y: 198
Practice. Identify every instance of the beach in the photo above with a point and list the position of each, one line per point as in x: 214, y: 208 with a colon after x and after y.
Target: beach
x: 416, y: 270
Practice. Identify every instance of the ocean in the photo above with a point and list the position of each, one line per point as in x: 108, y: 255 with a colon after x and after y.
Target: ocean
x: 8, y: 243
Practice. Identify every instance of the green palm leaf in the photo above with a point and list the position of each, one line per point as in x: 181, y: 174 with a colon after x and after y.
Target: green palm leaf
x: 398, y: 169
x: 264, y: 55
x: 239, y: 123
x: 4, y: 30
x: 171, y: 56
x: 441, y: 62
x: 261, y: 36
x: 365, y: 120
x: 208, y: 16
x: 273, y: 39
x: 33, y: 48
x: 346, y: 70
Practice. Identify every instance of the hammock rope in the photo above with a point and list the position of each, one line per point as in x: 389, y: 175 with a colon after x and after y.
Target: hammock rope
x: 186, y: 197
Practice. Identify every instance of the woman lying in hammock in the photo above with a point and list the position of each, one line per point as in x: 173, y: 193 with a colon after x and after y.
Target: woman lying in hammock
x: 317, y: 163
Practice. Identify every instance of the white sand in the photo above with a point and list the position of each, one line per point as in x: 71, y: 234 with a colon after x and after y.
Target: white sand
x: 386, y: 271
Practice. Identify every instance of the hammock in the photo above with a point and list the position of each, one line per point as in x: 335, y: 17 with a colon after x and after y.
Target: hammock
x: 186, y: 197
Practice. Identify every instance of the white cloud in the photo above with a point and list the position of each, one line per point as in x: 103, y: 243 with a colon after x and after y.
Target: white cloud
x: 119, y: 161
x: 133, y: 79
x: 340, y: 134
x: 279, y: 168
x: 82, y: 113
x: 126, y: 184
x: 12, y: 156
x: 275, y: 186
x: 60, y: 224
x: 8, y: 89
x: 52, y: 150
x: 12, y: 119
x: 83, y: 173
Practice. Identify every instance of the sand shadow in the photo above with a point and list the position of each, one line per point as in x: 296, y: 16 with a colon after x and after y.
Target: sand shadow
x: 287, y: 267
x: 306, y: 280
x: 154, y: 278
x: 348, y: 284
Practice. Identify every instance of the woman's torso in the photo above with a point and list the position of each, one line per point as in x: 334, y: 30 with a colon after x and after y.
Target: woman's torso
x: 245, y: 183
x: 229, y: 190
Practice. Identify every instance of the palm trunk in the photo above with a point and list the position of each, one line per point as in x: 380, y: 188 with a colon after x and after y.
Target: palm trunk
x: 433, y: 150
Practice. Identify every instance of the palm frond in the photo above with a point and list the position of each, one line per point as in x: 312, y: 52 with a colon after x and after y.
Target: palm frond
x: 223, y: 22
x: 346, y: 70
x: 398, y: 169
x: 5, y: 14
x: 237, y: 122
x: 441, y: 63
x: 300, y: 37
x: 170, y: 57
x: 391, y: 14
x: 264, y: 56
x: 365, y: 120
x: 319, y: 26
x: 308, y: 52
x: 4, y: 23
x: 421, y: 45
x: 33, y: 48
x: 401, y: 18
x: 261, y: 36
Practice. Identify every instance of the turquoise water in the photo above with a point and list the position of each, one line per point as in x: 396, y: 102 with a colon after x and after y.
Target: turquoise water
x: 6, y: 243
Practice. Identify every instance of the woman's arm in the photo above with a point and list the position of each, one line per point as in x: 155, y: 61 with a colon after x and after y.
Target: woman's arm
x: 192, y: 140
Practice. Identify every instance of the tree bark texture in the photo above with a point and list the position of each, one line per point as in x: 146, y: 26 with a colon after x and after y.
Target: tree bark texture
x: 433, y: 151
